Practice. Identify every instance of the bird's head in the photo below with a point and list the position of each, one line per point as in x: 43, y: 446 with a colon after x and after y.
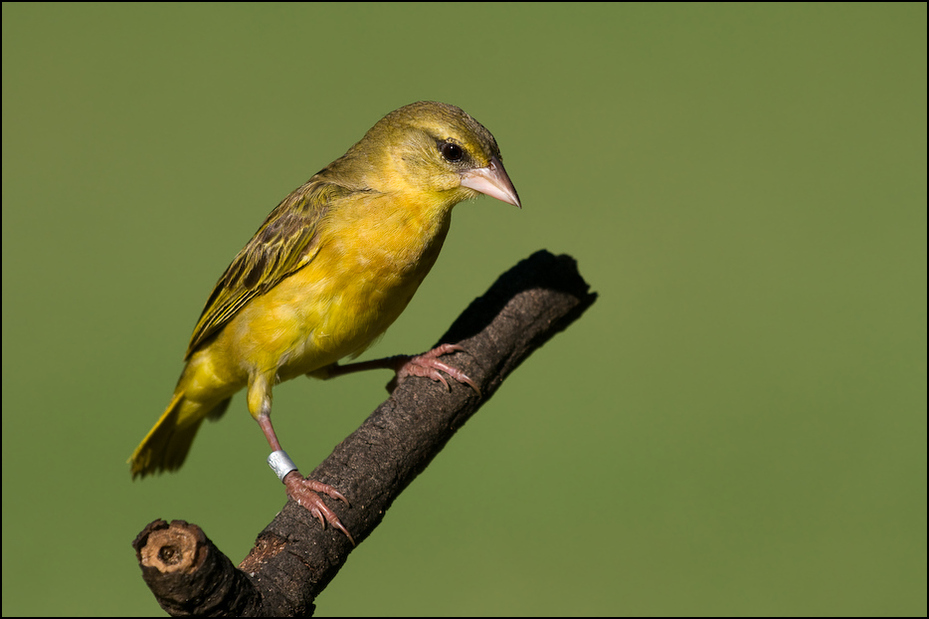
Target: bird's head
x: 435, y: 150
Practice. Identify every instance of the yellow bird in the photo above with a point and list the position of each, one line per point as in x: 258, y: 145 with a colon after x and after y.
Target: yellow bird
x: 333, y: 265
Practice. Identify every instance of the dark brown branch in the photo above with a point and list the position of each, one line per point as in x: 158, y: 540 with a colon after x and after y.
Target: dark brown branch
x: 294, y: 558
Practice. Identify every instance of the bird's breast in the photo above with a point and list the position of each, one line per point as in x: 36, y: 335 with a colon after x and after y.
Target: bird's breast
x: 361, y: 280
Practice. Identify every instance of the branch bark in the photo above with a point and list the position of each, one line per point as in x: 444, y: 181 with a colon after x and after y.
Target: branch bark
x: 294, y: 558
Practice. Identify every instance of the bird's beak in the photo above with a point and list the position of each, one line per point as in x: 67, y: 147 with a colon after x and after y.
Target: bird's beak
x: 492, y: 181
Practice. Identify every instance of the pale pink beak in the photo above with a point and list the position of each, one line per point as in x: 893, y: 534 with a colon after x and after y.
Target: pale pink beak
x: 492, y: 181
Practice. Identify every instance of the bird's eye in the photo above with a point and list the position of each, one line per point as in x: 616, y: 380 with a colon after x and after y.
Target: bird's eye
x: 451, y: 152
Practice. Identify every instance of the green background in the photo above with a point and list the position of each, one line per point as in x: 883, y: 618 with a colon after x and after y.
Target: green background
x: 737, y: 426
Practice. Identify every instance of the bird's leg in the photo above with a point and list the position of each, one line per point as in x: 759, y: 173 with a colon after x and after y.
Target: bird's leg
x: 300, y: 489
x: 426, y: 365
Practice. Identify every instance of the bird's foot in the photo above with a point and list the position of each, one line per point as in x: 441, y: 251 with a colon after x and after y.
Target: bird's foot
x: 427, y: 365
x: 306, y: 493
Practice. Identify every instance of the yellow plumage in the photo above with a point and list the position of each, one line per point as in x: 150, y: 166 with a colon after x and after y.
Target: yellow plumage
x: 333, y: 265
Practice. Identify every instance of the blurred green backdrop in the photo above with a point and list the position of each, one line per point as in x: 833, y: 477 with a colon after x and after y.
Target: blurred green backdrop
x: 736, y: 427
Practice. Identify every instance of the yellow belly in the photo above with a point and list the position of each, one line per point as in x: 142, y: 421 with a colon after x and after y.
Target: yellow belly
x: 334, y: 307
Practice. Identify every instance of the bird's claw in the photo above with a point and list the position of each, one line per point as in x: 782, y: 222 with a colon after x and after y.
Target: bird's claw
x: 427, y: 365
x: 306, y: 493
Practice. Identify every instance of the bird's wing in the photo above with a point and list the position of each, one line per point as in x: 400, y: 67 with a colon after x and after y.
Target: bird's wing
x: 285, y: 242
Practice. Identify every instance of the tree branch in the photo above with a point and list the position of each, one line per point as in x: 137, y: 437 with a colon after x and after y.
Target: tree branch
x: 294, y: 558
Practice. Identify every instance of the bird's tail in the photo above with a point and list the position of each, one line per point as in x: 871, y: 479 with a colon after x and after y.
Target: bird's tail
x: 165, y: 446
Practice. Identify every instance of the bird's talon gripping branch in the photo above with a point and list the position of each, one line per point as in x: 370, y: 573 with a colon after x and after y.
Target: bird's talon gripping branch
x: 427, y: 365
x: 306, y: 493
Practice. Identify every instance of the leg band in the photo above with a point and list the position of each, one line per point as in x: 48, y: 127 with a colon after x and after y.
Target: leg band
x: 281, y: 463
